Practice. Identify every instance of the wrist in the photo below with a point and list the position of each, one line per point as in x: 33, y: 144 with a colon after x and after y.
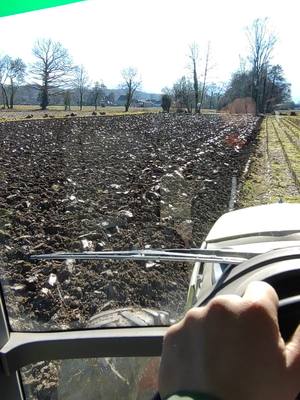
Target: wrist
x: 187, y: 395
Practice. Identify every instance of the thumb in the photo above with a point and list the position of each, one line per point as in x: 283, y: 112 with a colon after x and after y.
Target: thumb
x: 293, y: 354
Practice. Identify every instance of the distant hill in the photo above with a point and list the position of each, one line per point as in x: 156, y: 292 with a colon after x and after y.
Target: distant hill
x: 139, y: 95
x: 29, y: 95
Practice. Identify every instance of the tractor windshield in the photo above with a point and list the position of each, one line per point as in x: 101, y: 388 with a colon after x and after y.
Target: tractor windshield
x: 131, y: 127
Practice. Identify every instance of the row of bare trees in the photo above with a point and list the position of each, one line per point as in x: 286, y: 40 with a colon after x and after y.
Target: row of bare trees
x: 191, y: 92
x: 53, y: 70
x: 257, y: 77
x: 53, y: 73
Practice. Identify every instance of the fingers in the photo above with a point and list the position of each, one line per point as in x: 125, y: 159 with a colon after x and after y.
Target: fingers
x: 257, y: 295
x: 293, y: 353
x: 260, y: 299
x: 263, y: 295
x: 228, y: 303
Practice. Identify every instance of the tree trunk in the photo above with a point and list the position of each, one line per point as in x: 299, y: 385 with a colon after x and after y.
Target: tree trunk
x: 11, y: 101
x: 128, y: 99
x: 45, y: 101
x: 196, y: 87
x: 80, y: 101
x: 263, y: 101
x: 260, y: 94
x: 12, y: 94
x: 210, y: 101
x: 204, y: 78
x: 270, y: 106
x: 253, y: 88
x: 44, y: 97
x: 5, y: 97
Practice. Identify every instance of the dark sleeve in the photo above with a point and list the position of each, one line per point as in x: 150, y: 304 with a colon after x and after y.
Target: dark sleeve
x: 156, y: 396
x: 186, y: 396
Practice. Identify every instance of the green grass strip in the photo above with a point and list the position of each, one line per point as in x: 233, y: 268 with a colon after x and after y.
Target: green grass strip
x: 11, y: 7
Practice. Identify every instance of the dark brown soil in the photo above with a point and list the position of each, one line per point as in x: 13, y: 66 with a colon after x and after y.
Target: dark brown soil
x: 128, y: 182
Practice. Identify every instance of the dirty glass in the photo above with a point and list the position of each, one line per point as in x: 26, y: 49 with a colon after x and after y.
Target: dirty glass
x: 92, y: 379
x: 115, y: 183
x: 127, y: 127
x: 121, y: 183
x: 67, y: 295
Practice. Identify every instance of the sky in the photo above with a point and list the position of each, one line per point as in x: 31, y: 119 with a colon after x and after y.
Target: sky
x: 154, y: 37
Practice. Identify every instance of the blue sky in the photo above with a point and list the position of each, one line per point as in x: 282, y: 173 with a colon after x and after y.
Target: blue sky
x: 154, y: 37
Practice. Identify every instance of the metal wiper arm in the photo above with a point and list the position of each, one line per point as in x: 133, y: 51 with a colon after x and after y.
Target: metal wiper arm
x: 223, y: 256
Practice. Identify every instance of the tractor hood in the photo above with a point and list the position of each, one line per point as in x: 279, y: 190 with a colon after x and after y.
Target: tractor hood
x: 272, y: 222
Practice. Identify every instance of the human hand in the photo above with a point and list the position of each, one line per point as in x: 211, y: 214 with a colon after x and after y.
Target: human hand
x: 232, y: 349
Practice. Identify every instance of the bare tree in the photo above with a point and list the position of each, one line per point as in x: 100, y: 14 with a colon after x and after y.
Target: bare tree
x: 67, y: 99
x: 166, y: 102
x: 80, y: 83
x: 3, y: 79
x: 98, y: 94
x: 16, y: 74
x: 261, y: 43
x: 194, y: 56
x: 52, y: 68
x: 130, y: 84
x: 183, y: 94
x: 274, y: 89
x: 167, y: 90
x: 12, y: 72
x: 214, y: 92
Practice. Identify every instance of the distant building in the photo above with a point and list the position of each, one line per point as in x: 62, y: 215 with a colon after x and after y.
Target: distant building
x: 135, y: 102
x: 148, y: 103
x: 121, y: 100
x: 144, y: 103
x: 284, y: 106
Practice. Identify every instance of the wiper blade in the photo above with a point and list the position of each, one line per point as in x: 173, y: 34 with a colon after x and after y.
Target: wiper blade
x: 176, y: 255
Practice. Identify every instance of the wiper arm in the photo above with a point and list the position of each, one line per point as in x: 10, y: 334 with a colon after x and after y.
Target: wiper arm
x: 176, y: 255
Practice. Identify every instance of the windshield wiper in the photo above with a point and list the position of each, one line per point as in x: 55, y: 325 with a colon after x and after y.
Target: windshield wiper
x: 175, y: 255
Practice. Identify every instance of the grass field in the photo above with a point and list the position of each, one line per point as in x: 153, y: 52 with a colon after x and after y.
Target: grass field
x: 34, y: 112
x: 20, y: 112
x: 275, y: 170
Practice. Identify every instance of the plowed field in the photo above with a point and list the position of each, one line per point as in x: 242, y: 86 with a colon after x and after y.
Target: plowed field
x: 128, y: 182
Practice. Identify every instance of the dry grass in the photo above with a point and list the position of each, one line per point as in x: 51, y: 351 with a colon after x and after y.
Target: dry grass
x: 21, y: 112
x: 269, y: 178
